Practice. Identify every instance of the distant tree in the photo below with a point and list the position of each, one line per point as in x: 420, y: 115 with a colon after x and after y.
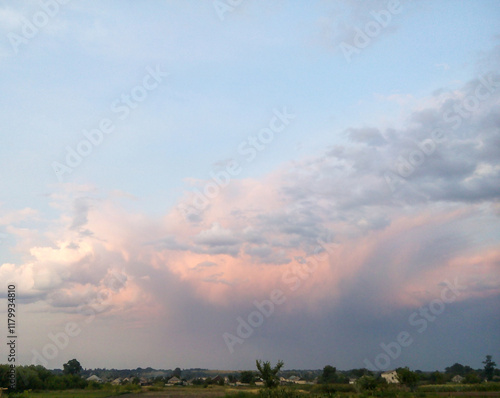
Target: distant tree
x: 269, y: 374
x: 472, y: 378
x: 360, y: 372
x: 366, y: 383
x: 407, y: 377
x: 72, y: 367
x: 437, y: 378
x: 458, y: 369
x: 27, y: 378
x: 489, y: 368
x: 329, y: 375
x: 247, y: 376
x: 177, y: 373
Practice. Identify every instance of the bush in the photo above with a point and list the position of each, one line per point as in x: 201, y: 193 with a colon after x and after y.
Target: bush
x: 132, y: 387
x: 332, y: 388
x: 472, y: 378
x: 366, y: 383
x: 280, y: 393
x: 93, y: 385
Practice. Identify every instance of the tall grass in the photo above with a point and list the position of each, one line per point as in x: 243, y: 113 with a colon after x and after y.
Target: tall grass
x: 490, y: 386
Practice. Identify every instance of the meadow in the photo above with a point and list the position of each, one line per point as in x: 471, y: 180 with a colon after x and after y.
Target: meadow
x: 489, y: 390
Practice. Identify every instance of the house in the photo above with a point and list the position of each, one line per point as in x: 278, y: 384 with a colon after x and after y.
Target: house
x: 217, y: 379
x: 95, y: 378
x: 457, y: 379
x: 144, y: 382
x: 352, y: 381
x: 390, y: 376
x: 116, y: 382
x: 174, y: 380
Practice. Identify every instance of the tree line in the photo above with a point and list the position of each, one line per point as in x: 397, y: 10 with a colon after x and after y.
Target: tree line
x: 37, y: 377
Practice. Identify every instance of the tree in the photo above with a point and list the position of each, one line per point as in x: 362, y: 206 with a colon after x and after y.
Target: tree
x: 177, y: 373
x: 489, y: 368
x: 247, y: 376
x: 366, y: 383
x: 268, y: 374
x: 437, y: 378
x: 456, y: 369
x: 360, y: 372
x: 472, y: 378
x: 72, y: 367
x: 329, y: 375
x: 407, y: 377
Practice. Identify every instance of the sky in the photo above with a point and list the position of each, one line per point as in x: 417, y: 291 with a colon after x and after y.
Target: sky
x: 207, y: 183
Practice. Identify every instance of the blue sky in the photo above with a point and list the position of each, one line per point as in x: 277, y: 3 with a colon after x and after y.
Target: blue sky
x: 322, y: 177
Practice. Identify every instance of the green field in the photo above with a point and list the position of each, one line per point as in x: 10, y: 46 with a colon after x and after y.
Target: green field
x: 490, y: 390
x: 64, y: 394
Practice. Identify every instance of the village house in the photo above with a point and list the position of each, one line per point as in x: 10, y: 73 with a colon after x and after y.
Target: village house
x: 391, y: 376
x: 174, y: 380
x: 457, y: 379
x: 144, y: 382
x: 95, y: 378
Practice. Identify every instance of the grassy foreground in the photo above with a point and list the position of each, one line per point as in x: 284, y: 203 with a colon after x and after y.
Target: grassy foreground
x: 298, y: 391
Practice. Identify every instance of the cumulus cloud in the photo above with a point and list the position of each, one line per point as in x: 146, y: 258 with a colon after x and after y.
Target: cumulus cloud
x: 329, y: 231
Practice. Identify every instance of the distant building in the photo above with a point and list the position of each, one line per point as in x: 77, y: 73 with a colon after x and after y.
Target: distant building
x: 457, y: 379
x: 95, y: 378
x: 391, y: 377
x: 174, y: 380
x: 217, y: 379
x: 352, y: 381
x: 116, y: 381
x: 144, y: 382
